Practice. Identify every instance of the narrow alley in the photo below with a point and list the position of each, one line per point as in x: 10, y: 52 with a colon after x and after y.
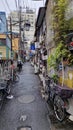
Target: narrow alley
x: 27, y: 108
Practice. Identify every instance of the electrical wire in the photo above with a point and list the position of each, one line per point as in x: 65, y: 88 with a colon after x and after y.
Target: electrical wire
x: 32, y: 3
x: 4, y: 5
x: 24, y: 4
x: 27, y: 3
x: 8, y: 5
x: 5, y: 9
x: 16, y: 4
x: 19, y: 4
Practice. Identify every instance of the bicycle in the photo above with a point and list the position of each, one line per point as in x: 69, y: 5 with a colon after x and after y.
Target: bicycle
x: 16, y: 77
x: 61, y: 100
x: 13, y: 77
x: 59, y: 108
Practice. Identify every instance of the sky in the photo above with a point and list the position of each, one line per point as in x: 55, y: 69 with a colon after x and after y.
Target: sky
x: 10, y: 5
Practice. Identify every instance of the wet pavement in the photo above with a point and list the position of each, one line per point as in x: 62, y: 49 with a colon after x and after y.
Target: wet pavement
x: 55, y: 124
x: 27, y: 110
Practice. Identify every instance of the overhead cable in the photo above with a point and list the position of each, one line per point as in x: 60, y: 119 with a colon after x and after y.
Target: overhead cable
x: 4, y: 5
x: 8, y: 5
x: 16, y: 4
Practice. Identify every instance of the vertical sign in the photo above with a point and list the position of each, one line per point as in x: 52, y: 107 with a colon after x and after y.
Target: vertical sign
x: 3, y: 26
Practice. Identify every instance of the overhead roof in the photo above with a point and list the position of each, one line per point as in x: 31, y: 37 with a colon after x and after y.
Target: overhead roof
x: 40, y: 17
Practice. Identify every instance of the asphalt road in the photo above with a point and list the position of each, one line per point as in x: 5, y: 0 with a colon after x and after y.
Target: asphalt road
x: 27, y: 108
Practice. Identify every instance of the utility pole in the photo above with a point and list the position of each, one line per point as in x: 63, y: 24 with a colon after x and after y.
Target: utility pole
x: 19, y: 33
x: 19, y: 14
x: 11, y: 37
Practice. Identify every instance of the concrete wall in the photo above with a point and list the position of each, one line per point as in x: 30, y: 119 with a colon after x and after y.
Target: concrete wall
x: 69, y: 11
x: 49, y: 26
x: 68, y: 77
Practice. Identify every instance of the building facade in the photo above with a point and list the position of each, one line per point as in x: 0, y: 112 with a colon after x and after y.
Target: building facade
x: 49, y: 26
x: 28, y: 15
x: 5, y: 43
x: 19, y: 21
x: 45, y: 32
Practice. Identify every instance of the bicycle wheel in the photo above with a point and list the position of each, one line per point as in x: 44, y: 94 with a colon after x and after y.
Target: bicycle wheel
x: 59, y: 108
x: 16, y: 78
x: 1, y: 99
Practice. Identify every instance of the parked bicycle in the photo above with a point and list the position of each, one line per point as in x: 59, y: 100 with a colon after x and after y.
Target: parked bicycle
x: 61, y: 99
x: 16, y: 77
x: 4, y: 90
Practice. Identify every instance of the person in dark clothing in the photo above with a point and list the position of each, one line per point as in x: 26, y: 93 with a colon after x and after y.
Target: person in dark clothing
x: 19, y: 65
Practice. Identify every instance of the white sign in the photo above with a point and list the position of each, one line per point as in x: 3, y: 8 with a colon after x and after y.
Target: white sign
x: 37, y: 45
x: 70, y: 76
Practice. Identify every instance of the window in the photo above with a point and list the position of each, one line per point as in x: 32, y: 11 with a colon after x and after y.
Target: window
x: 3, y: 41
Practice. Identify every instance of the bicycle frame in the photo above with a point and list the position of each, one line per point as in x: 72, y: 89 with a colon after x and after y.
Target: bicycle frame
x: 65, y: 95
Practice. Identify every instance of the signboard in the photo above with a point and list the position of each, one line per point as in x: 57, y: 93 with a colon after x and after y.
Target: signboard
x: 32, y: 46
x: 60, y: 66
x: 11, y: 54
x: 37, y: 45
x: 3, y: 25
x: 8, y: 42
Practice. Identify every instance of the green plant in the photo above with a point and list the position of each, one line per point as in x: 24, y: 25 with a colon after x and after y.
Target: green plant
x: 60, y: 27
x: 55, y: 78
x: 59, y: 24
x: 60, y: 52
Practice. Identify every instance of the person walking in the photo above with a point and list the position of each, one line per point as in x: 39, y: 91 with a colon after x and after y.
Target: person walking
x: 11, y: 70
x: 19, y: 65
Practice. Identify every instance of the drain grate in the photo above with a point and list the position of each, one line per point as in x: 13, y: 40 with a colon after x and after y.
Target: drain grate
x: 24, y: 128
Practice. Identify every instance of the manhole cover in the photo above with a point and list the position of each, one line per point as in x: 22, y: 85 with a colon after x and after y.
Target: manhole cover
x: 26, y: 99
x: 24, y: 128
